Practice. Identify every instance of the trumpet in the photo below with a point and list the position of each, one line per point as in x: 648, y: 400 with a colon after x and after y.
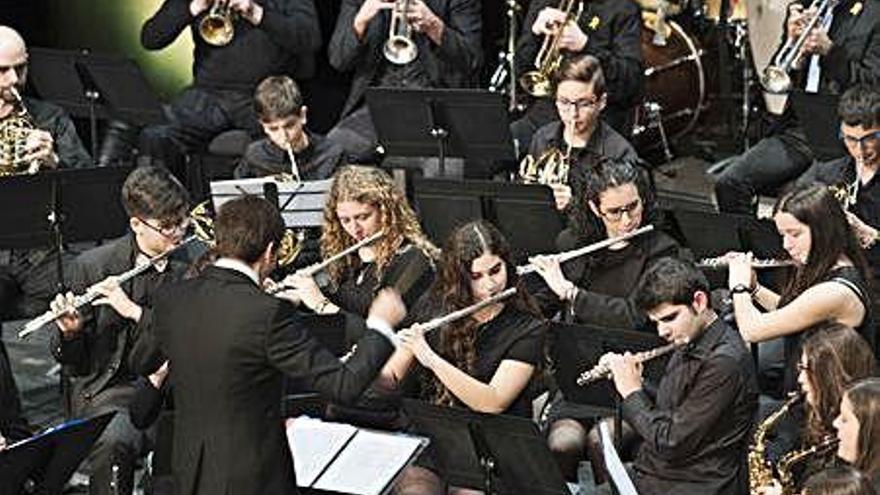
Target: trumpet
x: 589, y: 248
x: 400, y: 49
x: 217, y: 27
x: 720, y: 262
x: 311, y: 270
x: 601, y: 371
x: 776, y: 77
x: 539, y: 82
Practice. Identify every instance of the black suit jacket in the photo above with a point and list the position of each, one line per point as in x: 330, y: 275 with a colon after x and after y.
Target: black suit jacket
x: 452, y: 64
x: 229, y: 345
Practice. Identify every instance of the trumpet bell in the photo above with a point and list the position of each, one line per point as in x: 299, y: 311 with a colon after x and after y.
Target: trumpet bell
x: 400, y: 50
x: 291, y: 245
x: 217, y: 29
x: 776, y: 80
x: 536, y: 83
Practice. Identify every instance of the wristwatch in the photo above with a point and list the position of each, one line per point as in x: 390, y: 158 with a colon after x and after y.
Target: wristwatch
x: 740, y: 289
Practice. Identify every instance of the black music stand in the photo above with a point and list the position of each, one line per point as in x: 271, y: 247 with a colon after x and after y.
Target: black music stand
x: 444, y: 204
x: 499, y: 454
x: 463, y: 123
x: 91, y: 204
x: 44, y: 463
x: 29, y: 211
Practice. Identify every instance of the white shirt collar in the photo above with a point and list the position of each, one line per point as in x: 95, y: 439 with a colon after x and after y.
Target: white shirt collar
x: 239, y: 266
x: 143, y: 259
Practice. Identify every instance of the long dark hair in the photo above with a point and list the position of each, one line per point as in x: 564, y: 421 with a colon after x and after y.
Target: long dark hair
x: 831, y: 237
x: 452, y: 291
x: 604, y: 175
x: 864, y: 396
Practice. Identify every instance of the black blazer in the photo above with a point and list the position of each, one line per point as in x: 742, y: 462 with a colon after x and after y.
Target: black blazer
x: 229, y: 344
x: 453, y: 64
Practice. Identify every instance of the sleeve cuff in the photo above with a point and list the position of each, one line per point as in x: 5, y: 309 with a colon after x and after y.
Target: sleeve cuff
x: 383, y: 328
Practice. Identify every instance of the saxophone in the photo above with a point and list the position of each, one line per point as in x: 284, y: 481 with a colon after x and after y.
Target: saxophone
x: 793, y: 458
x: 14, y: 130
x: 760, y: 470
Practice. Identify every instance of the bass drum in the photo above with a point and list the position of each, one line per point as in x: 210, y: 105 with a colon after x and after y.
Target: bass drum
x: 675, y: 86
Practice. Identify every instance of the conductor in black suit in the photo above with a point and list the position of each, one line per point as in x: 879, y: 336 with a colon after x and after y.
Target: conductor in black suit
x: 229, y: 344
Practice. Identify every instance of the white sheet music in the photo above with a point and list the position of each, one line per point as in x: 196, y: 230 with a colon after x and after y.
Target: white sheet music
x: 614, y: 465
x: 365, y: 463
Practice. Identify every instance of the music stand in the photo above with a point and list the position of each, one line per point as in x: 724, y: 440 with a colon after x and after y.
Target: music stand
x: 817, y: 115
x: 445, y: 204
x: 28, y: 203
x: 90, y: 203
x: 463, y: 123
x: 499, y: 454
x: 301, y: 204
x: 44, y: 463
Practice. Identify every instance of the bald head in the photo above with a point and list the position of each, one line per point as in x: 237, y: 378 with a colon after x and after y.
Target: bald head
x: 12, y: 46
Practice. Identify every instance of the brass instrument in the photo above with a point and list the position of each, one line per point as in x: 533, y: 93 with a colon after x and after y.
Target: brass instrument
x: 218, y: 26
x: 791, y: 459
x: 589, y: 248
x: 551, y: 166
x: 600, y: 371
x: 720, y: 262
x: 14, y: 130
x: 776, y: 77
x: 400, y: 49
x: 539, y: 82
x: 760, y: 471
x: 846, y: 193
x: 203, y: 230
x: 311, y: 270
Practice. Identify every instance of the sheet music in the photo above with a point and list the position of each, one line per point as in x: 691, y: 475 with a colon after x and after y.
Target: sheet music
x: 314, y: 443
x: 614, y: 465
x: 302, y: 203
x: 370, y: 462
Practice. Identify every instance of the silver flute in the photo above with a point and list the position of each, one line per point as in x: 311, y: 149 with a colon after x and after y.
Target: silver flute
x: 601, y: 371
x: 311, y: 270
x: 91, y: 294
x: 596, y: 246
x: 466, y: 311
x: 720, y: 262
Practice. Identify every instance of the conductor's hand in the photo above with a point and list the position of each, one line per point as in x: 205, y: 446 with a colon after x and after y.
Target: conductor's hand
x: 70, y: 322
x: 112, y: 295
x: 388, y: 307
x: 626, y: 372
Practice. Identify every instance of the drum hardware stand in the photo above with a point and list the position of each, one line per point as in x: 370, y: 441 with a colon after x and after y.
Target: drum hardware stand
x: 743, y: 53
x: 506, y: 69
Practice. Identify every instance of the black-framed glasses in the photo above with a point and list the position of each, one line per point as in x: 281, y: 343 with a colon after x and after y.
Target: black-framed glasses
x: 168, y: 229
x: 869, y: 138
x: 615, y: 214
x: 578, y: 105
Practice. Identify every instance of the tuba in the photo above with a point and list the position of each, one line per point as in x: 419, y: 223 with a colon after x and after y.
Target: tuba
x: 539, y: 82
x: 217, y: 27
x: 14, y: 130
x: 400, y: 49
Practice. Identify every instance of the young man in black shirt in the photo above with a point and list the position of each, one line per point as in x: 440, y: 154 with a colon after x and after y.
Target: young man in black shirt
x: 695, y: 431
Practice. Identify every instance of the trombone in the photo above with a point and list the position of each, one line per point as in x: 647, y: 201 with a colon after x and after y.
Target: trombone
x: 776, y: 78
x: 539, y: 82
x: 400, y: 49
x: 217, y: 27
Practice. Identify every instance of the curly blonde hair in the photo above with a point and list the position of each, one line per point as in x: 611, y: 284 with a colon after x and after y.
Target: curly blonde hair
x: 370, y: 185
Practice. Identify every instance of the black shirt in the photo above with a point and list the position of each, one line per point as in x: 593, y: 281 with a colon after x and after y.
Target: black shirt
x: 696, y: 434
x: 52, y: 118
x: 287, y: 36
x: 317, y: 161
x: 13, y: 427
x: 513, y: 335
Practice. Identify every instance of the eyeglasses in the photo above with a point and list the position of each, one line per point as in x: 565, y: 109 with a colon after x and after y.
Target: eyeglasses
x: 616, y: 214
x: 870, y: 138
x: 578, y: 105
x: 168, y: 229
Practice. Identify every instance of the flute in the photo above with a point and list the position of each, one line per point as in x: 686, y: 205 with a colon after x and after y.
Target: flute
x: 294, y: 170
x: 311, y: 270
x: 720, y: 262
x: 563, y: 257
x: 466, y: 311
x: 601, y: 371
x: 91, y: 294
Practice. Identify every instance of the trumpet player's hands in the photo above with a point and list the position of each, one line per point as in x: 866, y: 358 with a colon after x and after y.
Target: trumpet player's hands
x: 866, y: 234
x: 366, y: 13
x: 196, y: 7
x: 796, y: 21
x: 549, y: 269
x: 70, y: 321
x: 423, y: 20
x: 248, y: 9
x: 39, y: 146
x: 818, y: 43
x: 739, y: 270
x: 413, y: 340
x: 562, y: 195
x: 549, y: 18
x: 626, y: 371
x: 112, y: 295
x: 572, y: 39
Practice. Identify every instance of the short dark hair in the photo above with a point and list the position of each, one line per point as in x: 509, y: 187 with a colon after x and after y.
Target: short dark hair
x: 839, y: 480
x: 245, y: 226
x: 154, y: 192
x: 583, y: 68
x: 670, y: 281
x: 860, y: 105
x: 277, y: 97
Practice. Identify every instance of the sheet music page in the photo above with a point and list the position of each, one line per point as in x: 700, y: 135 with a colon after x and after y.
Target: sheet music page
x: 614, y: 465
x: 369, y: 462
x: 313, y: 444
